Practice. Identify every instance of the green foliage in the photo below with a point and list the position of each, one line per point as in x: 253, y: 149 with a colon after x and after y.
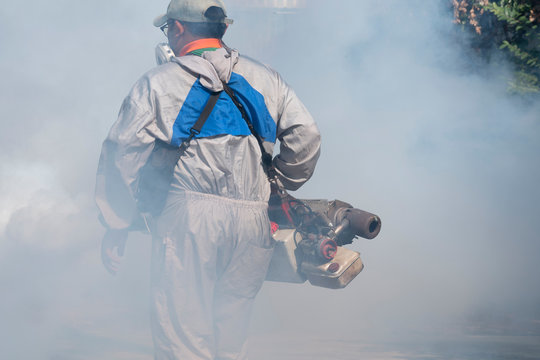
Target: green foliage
x: 524, y: 83
x: 514, y: 28
x: 523, y: 43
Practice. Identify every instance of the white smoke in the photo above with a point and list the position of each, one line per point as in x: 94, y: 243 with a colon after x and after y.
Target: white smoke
x: 411, y: 131
x: 415, y: 131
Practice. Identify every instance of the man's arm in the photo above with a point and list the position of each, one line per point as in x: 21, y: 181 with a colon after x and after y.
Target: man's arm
x: 125, y: 151
x: 300, y: 140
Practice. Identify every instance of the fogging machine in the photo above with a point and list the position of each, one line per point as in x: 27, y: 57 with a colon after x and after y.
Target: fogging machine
x: 310, y: 235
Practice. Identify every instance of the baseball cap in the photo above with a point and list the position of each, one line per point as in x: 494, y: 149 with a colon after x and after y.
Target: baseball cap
x: 191, y: 11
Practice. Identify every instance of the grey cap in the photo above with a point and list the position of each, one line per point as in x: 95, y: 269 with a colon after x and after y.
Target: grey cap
x: 190, y: 11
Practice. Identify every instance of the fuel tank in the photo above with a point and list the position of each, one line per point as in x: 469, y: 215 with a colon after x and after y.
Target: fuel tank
x: 290, y: 265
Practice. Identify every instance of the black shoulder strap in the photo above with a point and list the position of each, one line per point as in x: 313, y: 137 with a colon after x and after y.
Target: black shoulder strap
x: 266, y: 157
x: 156, y: 176
x: 279, y: 194
x: 197, y: 127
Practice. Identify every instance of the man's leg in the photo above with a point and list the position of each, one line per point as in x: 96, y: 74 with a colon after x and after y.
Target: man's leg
x: 241, y: 280
x: 183, y: 279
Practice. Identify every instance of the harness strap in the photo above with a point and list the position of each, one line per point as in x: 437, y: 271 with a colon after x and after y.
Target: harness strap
x: 154, y: 180
x: 266, y: 157
x: 197, y: 127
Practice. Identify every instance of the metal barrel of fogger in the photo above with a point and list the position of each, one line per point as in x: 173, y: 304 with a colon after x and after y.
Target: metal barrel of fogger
x: 358, y: 222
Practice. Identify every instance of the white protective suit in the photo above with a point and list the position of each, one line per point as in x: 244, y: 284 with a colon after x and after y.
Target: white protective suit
x: 212, y: 242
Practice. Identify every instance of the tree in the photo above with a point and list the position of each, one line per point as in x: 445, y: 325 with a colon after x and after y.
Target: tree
x: 510, y: 25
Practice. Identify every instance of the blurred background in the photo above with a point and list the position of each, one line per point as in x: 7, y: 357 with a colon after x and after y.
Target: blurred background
x: 425, y: 122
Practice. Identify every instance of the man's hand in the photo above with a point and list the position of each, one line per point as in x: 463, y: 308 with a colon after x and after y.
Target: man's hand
x: 113, y: 240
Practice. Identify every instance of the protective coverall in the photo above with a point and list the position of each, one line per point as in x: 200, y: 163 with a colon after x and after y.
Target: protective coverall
x: 211, y: 243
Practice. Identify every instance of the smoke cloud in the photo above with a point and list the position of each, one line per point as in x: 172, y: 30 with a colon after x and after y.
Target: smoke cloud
x: 413, y: 130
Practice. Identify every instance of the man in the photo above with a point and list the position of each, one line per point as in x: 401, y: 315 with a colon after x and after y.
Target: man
x: 211, y: 237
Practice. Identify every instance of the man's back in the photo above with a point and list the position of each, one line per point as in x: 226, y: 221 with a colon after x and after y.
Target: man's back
x: 223, y: 159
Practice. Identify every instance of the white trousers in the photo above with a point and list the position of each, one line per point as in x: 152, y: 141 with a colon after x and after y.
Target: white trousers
x: 210, y: 258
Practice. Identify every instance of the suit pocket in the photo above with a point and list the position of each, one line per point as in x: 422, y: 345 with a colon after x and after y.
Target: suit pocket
x: 247, y: 270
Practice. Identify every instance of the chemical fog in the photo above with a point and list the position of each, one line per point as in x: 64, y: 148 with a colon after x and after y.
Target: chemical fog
x: 414, y: 129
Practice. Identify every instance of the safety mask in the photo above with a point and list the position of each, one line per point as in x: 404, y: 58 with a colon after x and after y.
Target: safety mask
x: 164, y: 53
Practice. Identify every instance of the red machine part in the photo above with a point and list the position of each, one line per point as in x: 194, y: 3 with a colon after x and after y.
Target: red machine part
x: 327, y: 248
x: 333, y: 268
x: 273, y: 227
